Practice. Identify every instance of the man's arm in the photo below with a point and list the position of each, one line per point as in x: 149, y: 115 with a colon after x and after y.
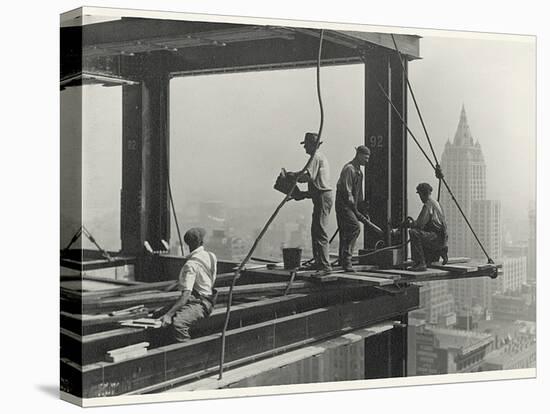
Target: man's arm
x: 423, y: 218
x: 347, y: 181
x: 167, y: 318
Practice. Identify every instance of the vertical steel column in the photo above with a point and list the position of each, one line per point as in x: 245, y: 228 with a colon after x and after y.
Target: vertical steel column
x: 378, y: 139
x: 398, y: 146
x: 131, y: 212
x: 144, y: 198
x: 385, y: 135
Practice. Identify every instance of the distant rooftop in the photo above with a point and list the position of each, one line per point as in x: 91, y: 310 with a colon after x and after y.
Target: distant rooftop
x: 463, y: 341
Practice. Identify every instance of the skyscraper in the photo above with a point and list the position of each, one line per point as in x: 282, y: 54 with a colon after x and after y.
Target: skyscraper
x: 464, y: 168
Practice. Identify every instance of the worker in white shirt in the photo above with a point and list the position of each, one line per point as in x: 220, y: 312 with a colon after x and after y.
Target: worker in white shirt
x: 428, y: 232
x: 196, y: 281
x: 317, y: 177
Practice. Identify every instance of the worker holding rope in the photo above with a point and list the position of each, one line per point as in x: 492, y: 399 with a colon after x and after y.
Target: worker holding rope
x: 428, y: 233
x: 317, y: 176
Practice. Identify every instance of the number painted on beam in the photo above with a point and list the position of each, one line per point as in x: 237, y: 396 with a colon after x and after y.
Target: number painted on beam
x: 376, y: 141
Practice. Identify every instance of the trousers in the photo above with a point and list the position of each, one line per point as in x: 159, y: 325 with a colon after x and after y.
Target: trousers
x: 349, y: 232
x: 426, y: 246
x: 322, y: 204
x: 194, y: 310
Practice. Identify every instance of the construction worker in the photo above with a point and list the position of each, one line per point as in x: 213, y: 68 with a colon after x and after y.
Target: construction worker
x: 317, y: 177
x: 428, y: 233
x: 196, y: 281
x: 349, y: 196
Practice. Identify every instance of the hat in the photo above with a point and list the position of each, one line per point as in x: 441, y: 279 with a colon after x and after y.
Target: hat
x: 424, y: 188
x: 362, y: 149
x: 309, y: 138
x: 194, y: 236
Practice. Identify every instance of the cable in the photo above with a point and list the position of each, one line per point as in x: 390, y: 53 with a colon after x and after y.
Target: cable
x: 438, y: 170
x: 277, y: 209
x: 174, y: 213
x: 442, y: 178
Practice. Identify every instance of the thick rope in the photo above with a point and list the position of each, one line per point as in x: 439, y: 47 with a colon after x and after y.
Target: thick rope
x: 438, y: 172
x: 277, y: 209
x: 442, y: 178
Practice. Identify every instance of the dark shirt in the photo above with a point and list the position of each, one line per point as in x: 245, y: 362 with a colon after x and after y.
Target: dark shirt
x: 350, y: 185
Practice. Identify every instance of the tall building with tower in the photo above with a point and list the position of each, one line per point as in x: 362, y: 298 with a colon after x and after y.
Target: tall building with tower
x: 464, y: 168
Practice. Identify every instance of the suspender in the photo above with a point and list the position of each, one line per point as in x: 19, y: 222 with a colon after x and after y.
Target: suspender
x: 209, y: 270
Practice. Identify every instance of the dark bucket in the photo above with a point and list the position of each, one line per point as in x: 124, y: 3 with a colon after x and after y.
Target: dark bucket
x: 292, y: 257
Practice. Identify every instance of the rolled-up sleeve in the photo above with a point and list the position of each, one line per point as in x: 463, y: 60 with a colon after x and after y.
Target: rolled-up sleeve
x: 187, y: 277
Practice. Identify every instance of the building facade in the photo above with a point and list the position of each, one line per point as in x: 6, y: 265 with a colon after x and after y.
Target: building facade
x: 464, y: 168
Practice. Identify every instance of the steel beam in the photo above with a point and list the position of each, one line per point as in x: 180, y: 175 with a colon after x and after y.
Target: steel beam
x: 385, y: 177
x: 144, y: 198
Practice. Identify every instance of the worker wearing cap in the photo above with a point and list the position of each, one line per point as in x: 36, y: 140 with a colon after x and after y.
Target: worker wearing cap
x: 196, y: 281
x: 428, y: 233
x: 349, y: 196
x: 317, y: 176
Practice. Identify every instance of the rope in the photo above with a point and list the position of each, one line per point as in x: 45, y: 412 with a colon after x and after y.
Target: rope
x: 277, y: 209
x: 438, y: 172
x: 174, y: 212
x: 442, y: 178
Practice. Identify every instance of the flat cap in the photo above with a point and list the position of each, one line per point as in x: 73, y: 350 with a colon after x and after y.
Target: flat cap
x: 424, y: 188
x: 362, y: 149
x: 194, y: 235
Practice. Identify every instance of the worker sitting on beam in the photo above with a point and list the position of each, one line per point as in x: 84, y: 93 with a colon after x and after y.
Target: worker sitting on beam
x: 428, y: 233
x: 317, y: 177
x: 196, y: 281
x: 349, y: 200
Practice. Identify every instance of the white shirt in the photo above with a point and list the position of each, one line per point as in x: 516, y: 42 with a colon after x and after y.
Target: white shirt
x: 199, y: 272
x: 319, y: 172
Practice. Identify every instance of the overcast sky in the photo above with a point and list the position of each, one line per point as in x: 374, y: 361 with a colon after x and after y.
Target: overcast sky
x: 231, y: 134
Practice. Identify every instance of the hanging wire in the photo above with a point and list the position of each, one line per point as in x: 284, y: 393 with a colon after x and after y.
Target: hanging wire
x: 277, y: 209
x: 438, y: 172
x: 442, y: 178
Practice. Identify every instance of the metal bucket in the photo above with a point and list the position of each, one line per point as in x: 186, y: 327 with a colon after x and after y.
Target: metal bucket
x: 292, y: 257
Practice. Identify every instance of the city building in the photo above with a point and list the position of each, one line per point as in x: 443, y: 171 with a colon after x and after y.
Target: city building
x: 513, y: 277
x: 439, y: 350
x: 532, y: 243
x: 435, y: 302
x: 464, y: 168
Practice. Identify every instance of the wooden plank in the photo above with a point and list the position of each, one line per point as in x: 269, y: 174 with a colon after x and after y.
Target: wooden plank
x: 460, y: 268
x: 409, y: 273
x: 177, y: 360
x: 378, y: 275
x: 89, y: 324
x: 165, y: 298
x: 374, y: 281
x: 128, y: 348
x: 124, y: 356
x: 91, y: 348
x: 94, y: 346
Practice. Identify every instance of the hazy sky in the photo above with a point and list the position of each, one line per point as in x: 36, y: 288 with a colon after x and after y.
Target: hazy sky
x: 231, y: 134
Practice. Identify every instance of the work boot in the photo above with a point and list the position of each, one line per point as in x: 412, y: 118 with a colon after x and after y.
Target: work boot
x: 309, y: 267
x: 324, y: 271
x: 418, y: 267
x: 444, y: 255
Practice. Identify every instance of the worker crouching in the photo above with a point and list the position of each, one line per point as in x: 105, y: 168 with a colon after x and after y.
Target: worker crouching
x: 428, y: 233
x: 196, y: 281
